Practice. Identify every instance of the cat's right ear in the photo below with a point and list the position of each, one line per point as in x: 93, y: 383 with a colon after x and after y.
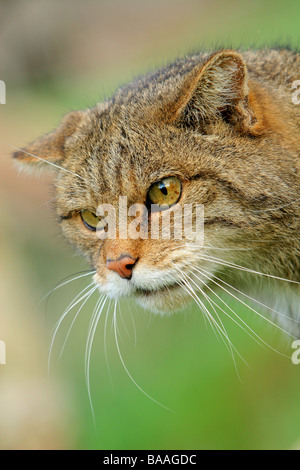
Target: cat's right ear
x: 220, y: 89
x: 49, y: 150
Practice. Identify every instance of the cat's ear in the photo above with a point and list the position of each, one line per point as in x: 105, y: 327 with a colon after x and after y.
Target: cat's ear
x: 49, y: 150
x: 219, y: 88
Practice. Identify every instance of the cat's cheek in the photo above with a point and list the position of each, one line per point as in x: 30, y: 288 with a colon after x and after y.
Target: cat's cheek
x: 81, y: 238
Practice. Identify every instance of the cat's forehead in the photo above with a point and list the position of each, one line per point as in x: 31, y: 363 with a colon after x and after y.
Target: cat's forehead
x: 130, y: 158
x: 122, y: 147
x: 116, y: 155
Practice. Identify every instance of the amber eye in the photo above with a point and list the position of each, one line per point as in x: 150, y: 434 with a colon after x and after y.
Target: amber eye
x: 91, y: 221
x: 165, y: 192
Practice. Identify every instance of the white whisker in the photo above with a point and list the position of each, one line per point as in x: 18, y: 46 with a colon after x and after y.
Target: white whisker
x: 124, y: 365
x: 221, y: 328
x: 63, y: 283
x: 255, y: 300
x: 251, y: 332
x: 60, y: 196
x: 105, y: 343
x: 74, y: 319
x: 80, y: 297
x: 244, y: 303
x: 45, y: 161
x: 89, y: 344
x: 243, y: 268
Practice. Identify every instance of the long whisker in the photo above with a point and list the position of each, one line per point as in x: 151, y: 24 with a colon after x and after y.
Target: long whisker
x: 74, y: 319
x: 185, y: 285
x: 221, y: 329
x: 105, y: 344
x: 188, y: 288
x: 232, y: 265
x: 197, y: 246
x: 248, y: 306
x: 123, y: 322
x: 124, y: 365
x: 45, y: 161
x: 92, y: 330
x: 61, y: 195
x: 81, y: 296
x: 133, y: 326
x: 255, y: 300
x: 63, y: 282
x: 202, y: 306
x: 243, y: 268
x: 207, y: 315
x: 75, y: 302
x: 89, y: 344
x: 251, y: 332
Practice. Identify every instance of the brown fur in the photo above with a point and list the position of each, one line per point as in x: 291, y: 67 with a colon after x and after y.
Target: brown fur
x: 226, y: 126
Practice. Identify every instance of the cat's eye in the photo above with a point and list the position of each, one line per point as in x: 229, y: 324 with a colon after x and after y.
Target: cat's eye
x: 165, y: 192
x: 91, y: 221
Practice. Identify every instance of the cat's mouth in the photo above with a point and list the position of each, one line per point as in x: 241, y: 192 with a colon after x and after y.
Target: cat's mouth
x: 158, y: 296
x: 140, y: 291
x: 164, y: 299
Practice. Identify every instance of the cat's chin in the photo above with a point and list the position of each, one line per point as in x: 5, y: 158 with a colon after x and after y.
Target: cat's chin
x: 163, y: 301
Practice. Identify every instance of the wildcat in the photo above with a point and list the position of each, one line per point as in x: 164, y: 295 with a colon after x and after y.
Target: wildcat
x: 218, y: 129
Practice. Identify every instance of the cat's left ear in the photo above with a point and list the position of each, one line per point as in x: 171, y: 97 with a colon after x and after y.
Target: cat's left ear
x: 49, y: 150
x: 218, y: 89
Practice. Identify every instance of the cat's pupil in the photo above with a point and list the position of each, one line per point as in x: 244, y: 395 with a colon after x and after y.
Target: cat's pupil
x: 163, y: 189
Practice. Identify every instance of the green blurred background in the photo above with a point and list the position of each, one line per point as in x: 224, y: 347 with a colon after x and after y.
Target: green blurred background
x: 61, y: 55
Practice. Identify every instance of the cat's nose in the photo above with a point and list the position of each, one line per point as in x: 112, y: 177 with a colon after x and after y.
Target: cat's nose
x: 123, y: 266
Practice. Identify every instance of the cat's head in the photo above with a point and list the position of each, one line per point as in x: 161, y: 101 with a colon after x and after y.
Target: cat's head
x: 198, y: 132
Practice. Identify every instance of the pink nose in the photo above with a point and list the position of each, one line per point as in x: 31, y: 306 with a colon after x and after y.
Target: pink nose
x: 123, y: 266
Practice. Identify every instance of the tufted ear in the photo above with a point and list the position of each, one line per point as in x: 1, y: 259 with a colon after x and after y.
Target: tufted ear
x: 49, y: 150
x: 219, y: 89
